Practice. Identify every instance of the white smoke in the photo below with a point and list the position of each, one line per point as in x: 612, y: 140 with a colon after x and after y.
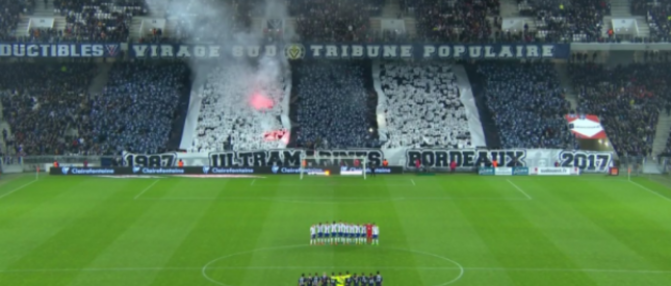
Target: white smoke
x: 232, y: 82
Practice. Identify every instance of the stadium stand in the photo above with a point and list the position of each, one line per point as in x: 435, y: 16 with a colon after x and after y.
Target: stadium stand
x: 424, y: 108
x: 137, y: 108
x: 41, y: 102
x: 335, y: 105
x: 574, y: 20
x: 239, y: 112
x: 627, y: 99
x: 10, y: 10
x: 657, y: 14
x: 456, y: 21
x: 98, y: 20
x: 527, y: 104
x: 334, y: 20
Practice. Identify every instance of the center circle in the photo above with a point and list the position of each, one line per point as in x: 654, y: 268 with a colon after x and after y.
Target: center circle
x: 216, y: 264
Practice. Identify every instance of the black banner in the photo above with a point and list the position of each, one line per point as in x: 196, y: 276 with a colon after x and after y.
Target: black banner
x: 465, y: 159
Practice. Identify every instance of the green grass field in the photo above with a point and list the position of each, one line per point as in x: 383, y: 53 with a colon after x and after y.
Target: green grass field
x: 442, y: 230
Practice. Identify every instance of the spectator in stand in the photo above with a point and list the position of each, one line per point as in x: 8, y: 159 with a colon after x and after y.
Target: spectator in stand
x: 137, y: 108
x: 455, y: 21
x: 334, y: 20
x: 42, y: 102
x: 334, y: 105
x: 97, y: 20
x: 658, y: 14
x: 573, y: 20
x: 527, y: 104
x: 10, y: 10
x: 627, y: 99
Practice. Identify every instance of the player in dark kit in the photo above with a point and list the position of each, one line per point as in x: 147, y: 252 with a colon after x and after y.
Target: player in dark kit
x: 348, y: 281
x: 301, y: 281
x: 363, y: 280
x: 372, y: 169
x: 378, y: 279
x: 333, y: 281
x: 315, y: 279
x: 308, y: 280
x: 324, y: 280
x: 355, y: 280
x: 371, y: 280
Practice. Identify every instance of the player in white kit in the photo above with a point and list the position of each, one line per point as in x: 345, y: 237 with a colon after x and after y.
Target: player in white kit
x: 355, y: 233
x: 322, y: 231
x: 334, y: 233
x: 362, y: 234
x: 341, y: 232
x: 376, y: 234
x: 313, y: 234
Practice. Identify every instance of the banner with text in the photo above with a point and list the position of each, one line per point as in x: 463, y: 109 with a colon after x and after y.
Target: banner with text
x: 299, y: 51
x: 207, y: 170
x: 465, y: 159
x: 60, y: 50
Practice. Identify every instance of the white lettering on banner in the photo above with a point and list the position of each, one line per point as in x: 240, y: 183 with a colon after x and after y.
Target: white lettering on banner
x: 289, y: 157
x: 58, y: 50
x: 554, y: 171
x: 585, y: 161
x: 503, y: 171
x: 335, y: 51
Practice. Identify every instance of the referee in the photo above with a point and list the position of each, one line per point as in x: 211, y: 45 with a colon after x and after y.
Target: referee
x: 372, y: 169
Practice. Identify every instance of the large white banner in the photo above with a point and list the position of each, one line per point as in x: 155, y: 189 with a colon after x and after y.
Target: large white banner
x: 466, y: 159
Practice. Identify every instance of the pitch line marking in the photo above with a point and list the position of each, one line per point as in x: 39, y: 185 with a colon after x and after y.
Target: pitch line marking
x: 340, y: 200
x: 17, y: 189
x: 145, y: 190
x: 519, y: 189
x: 252, y: 183
x: 207, y: 265
x: 482, y: 269
x: 413, y: 182
x: 651, y: 191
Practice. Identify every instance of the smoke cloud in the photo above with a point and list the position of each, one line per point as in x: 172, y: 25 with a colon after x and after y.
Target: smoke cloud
x: 236, y: 85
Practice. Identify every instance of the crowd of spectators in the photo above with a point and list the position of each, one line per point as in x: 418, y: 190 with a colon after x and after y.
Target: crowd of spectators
x: 334, y: 20
x: 334, y: 108
x: 627, y: 99
x: 95, y: 20
x: 10, y: 10
x: 137, y: 108
x: 41, y: 102
x: 658, y: 15
x: 573, y: 20
x: 241, y: 106
x: 423, y: 107
x: 527, y: 104
x: 460, y: 20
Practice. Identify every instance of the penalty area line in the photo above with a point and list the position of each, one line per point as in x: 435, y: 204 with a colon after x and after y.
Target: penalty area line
x: 651, y: 191
x: 519, y: 189
x: 145, y: 190
x: 17, y: 189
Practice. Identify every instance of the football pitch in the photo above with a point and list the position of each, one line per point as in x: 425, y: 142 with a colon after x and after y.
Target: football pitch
x: 441, y: 230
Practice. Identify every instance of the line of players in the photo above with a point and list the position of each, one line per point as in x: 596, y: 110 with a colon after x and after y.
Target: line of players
x: 345, y: 233
x: 340, y: 279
